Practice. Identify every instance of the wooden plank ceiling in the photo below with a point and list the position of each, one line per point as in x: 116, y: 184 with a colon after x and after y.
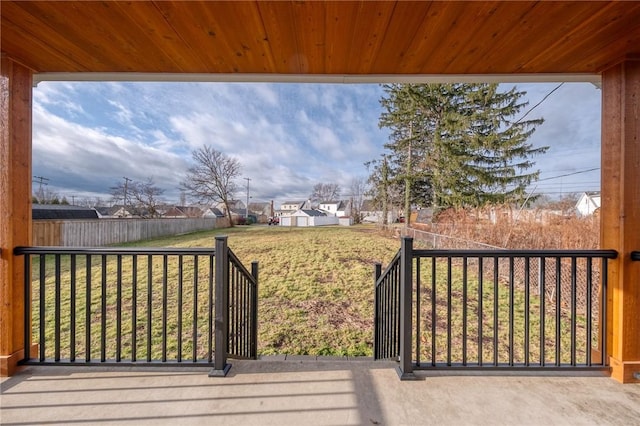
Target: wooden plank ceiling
x: 312, y: 37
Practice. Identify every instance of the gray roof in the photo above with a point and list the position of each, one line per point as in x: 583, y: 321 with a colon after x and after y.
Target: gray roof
x: 61, y: 211
x: 313, y: 212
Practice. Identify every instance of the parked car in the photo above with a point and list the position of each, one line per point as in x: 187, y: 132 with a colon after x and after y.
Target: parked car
x: 274, y: 221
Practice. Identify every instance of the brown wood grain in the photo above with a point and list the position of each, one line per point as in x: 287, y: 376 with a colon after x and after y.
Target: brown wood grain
x: 620, y: 229
x: 15, y: 207
x: 334, y: 37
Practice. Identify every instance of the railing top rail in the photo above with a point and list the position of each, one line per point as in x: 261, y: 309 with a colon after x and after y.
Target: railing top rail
x: 608, y: 254
x: 391, y: 264
x: 115, y: 250
x: 238, y: 264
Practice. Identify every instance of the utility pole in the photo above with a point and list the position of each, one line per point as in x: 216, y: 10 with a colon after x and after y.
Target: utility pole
x: 408, y: 179
x: 41, y: 180
x: 385, y: 189
x: 246, y: 211
x: 126, y: 185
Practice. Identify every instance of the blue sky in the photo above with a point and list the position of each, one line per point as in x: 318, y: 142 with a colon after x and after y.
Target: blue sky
x: 87, y: 136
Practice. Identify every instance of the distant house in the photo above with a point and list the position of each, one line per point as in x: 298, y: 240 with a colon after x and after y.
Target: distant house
x: 588, y: 203
x: 261, y: 209
x: 334, y: 208
x: 233, y: 205
x: 114, y: 212
x: 371, y: 213
x: 193, y: 211
x: 61, y: 212
x: 289, y: 207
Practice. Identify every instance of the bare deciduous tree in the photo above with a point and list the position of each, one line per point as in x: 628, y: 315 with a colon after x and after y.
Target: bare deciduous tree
x: 211, y: 179
x: 325, y: 192
x: 147, y: 197
x: 142, y: 197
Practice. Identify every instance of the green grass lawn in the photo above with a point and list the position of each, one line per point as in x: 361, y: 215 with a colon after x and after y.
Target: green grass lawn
x: 315, y: 298
x: 315, y: 294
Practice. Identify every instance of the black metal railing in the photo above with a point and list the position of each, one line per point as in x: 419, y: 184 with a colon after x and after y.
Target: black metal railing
x: 243, y: 309
x: 136, y: 306
x: 498, y: 308
x: 386, y: 339
x: 635, y: 255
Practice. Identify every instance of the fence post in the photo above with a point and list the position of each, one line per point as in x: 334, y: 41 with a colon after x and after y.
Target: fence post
x: 405, y: 368
x: 254, y: 312
x: 220, y: 366
x: 376, y: 327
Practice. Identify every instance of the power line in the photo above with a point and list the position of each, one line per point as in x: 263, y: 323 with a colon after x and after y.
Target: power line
x: 538, y: 104
x: 569, y: 174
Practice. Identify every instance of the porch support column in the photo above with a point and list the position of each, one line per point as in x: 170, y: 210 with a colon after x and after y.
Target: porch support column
x: 15, y: 205
x: 620, y: 215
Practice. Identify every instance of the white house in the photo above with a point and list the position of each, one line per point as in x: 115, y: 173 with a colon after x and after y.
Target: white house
x: 588, y: 203
x: 289, y: 207
x: 334, y: 208
x: 370, y: 213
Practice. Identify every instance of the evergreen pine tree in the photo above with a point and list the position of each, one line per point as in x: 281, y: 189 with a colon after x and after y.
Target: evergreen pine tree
x: 458, y: 145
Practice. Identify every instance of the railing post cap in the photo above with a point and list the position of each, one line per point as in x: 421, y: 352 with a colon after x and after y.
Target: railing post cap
x: 221, y: 237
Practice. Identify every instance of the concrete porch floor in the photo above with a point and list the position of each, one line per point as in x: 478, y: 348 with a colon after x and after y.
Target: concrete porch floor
x: 306, y: 391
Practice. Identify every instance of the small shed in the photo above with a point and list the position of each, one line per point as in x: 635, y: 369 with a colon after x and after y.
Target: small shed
x: 308, y: 217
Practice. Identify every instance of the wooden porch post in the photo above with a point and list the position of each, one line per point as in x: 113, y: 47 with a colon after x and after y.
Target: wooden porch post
x: 15, y: 205
x: 620, y: 215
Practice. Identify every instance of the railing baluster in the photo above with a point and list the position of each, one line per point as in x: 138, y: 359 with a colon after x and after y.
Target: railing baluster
x: 134, y: 306
x: 72, y: 313
x: 87, y: 325
x: 377, y: 271
x: 195, y: 308
x: 254, y: 310
x: 434, y: 313
x: 512, y: 285
x: 543, y: 309
x: 589, y: 311
x: 495, y: 311
x: 558, y: 309
x: 418, y: 312
x: 57, y: 315
x: 574, y: 274
x: 210, y: 309
x: 42, y: 306
x: 119, y: 308
x: 179, y: 313
x: 480, y: 308
x: 165, y: 266
x: 149, y: 304
x: 28, y: 305
x: 527, y: 283
x: 449, y: 310
x: 602, y: 318
x: 464, y: 310
x: 103, y: 311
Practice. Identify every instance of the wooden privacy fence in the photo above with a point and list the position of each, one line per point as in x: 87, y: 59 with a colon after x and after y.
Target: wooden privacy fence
x: 102, y: 232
